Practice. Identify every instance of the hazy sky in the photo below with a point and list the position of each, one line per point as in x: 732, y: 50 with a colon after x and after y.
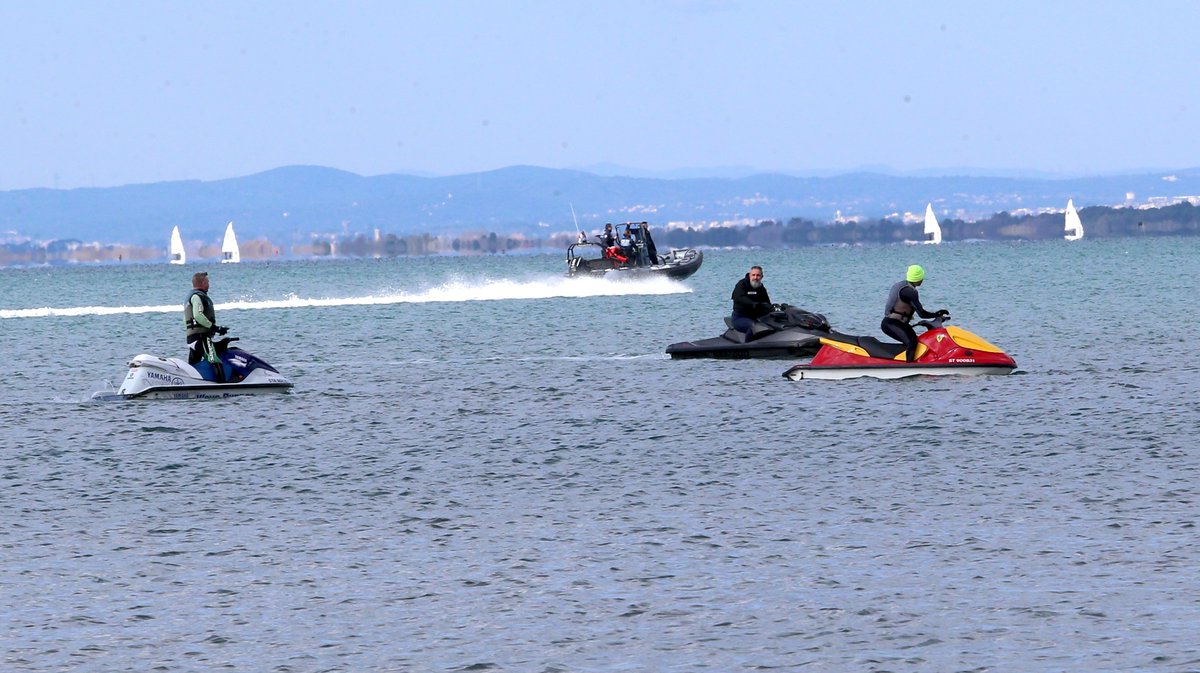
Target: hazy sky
x: 110, y: 93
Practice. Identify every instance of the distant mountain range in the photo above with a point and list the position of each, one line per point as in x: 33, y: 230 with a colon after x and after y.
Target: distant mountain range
x: 295, y: 203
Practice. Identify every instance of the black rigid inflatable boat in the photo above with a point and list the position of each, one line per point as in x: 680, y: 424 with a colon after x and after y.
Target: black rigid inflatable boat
x: 635, y: 257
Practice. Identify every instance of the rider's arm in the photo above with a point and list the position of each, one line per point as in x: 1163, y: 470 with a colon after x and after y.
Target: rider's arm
x: 198, y: 312
x: 909, y: 294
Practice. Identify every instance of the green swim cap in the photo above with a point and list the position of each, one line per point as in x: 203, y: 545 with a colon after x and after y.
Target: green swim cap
x: 915, y: 274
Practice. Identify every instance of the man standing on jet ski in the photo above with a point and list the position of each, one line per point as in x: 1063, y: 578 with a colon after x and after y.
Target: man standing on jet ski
x: 902, y: 301
x: 750, y: 301
x: 200, y: 318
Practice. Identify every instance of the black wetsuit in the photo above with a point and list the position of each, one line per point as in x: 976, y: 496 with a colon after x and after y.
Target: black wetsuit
x: 749, y: 304
x: 903, y: 300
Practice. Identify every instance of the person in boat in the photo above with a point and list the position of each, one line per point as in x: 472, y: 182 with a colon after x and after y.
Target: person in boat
x: 903, y: 301
x: 200, y: 319
x: 630, y: 246
x: 750, y: 301
x: 651, y: 250
x: 608, y: 241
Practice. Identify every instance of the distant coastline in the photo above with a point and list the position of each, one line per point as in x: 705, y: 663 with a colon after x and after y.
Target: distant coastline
x: 318, y: 212
x: 1179, y: 219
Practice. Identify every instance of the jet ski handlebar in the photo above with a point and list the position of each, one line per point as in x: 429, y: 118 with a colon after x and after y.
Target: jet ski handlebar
x: 936, y: 322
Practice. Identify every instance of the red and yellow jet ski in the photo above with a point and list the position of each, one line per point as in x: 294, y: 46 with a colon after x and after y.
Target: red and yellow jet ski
x: 941, y: 350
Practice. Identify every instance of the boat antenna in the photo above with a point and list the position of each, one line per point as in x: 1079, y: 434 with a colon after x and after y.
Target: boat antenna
x: 576, y: 219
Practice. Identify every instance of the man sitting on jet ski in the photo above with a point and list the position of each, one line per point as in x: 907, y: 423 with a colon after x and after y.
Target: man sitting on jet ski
x: 750, y: 301
x: 902, y: 301
x: 200, y: 319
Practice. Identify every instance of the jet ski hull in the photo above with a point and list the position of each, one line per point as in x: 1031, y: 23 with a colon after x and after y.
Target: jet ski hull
x: 941, y: 351
x: 801, y: 372
x: 780, y: 345
x: 156, y: 378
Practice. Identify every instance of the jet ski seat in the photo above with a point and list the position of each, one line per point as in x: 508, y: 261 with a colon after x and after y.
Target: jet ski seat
x: 880, y: 349
x: 757, y: 330
x: 874, y: 347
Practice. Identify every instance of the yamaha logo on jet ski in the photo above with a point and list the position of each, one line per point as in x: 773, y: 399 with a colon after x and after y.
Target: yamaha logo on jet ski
x: 168, y: 379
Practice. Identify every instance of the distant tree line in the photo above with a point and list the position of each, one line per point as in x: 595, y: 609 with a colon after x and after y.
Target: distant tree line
x: 1099, y: 222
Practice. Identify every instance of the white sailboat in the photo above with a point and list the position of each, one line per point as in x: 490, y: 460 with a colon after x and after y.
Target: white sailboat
x: 177, y: 255
x: 1073, y: 225
x: 932, y: 226
x: 229, y: 247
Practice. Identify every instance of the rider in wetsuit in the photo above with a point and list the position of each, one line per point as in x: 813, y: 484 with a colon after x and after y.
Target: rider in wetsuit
x: 902, y: 302
x: 200, y: 320
x: 750, y: 301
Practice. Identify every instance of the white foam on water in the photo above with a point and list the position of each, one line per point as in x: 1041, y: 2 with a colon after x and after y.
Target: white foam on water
x: 451, y: 291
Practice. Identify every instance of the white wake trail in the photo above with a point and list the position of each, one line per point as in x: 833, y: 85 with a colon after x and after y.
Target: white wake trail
x: 451, y: 291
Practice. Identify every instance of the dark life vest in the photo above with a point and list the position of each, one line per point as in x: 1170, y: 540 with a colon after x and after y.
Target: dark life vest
x: 189, y: 320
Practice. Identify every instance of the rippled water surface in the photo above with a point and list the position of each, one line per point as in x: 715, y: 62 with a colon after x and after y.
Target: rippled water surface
x: 486, y: 467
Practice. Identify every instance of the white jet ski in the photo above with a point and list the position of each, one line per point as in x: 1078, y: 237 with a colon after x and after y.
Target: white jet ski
x: 158, y: 378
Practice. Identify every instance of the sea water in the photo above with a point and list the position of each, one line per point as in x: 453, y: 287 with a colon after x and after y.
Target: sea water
x: 487, y: 466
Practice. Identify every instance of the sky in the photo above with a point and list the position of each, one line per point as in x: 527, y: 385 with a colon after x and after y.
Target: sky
x: 99, y: 94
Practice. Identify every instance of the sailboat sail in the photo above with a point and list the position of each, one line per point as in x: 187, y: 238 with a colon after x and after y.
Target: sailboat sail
x: 177, y: 255
x: 1073, y: 225
x: 932, y: 226
x: 229, y: 248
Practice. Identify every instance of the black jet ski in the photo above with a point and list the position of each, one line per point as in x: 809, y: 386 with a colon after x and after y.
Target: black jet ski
x: 634, y: 257
x: 786, y: 332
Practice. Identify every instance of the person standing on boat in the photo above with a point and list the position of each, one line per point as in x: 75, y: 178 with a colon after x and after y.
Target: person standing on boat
x: 750, y: 301
x: 902, y: 302
x: 651, y: 250
x: 629, y: 246
x: 608, y: 239
x: 200, y: 319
